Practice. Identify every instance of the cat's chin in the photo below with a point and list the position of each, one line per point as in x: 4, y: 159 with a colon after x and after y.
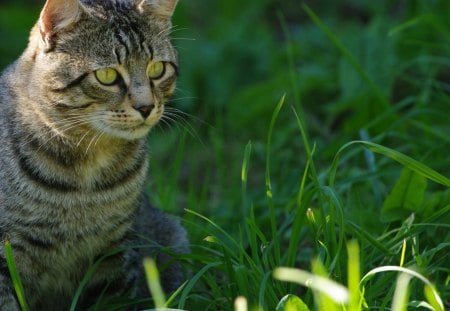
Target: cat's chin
x: 128, y: 134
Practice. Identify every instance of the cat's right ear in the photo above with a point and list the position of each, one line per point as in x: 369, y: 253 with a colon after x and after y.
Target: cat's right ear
x: 162, y: 8
x: 56, y: 16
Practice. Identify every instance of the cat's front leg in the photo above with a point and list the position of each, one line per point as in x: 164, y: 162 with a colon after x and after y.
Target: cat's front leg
x: 7, y: 300
x: 116, y: 276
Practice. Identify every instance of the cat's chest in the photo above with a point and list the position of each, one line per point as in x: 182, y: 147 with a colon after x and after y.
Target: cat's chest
x: 65, y: 244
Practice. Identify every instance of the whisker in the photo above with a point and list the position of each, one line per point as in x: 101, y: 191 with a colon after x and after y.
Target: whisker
x: 98, y: 139
x: 62, y: 127
x: 180, y: 113
x: 177, y: 120
x: 95, y: 139
x: 186, y: 39
x: 183, y: 98
x: 83, y: 137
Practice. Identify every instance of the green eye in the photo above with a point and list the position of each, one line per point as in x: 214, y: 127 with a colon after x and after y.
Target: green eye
x: 155, y: 70
x: 107, y: 76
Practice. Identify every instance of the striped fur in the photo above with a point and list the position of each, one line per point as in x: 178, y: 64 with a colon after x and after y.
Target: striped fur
x: 73, y: 156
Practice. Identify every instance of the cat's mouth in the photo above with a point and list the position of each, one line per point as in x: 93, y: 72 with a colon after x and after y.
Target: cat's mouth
x: 128, y: 128
x: 127, y: 132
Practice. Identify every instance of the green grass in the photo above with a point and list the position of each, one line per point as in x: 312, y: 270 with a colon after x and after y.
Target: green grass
x: 313, y: 139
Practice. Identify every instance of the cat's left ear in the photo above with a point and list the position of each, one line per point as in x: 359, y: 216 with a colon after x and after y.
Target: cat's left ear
x: 56, y: 16
x: 162, y: 8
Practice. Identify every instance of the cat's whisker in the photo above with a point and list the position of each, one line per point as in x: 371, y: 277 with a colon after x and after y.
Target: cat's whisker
x: 177, y: 120
x: 62, y: 128
x: 181, y: 113
x: 176, y: 28
x: 185, y: 39
x: 46, y: 136
x: 98, y: 139
x: 169, y: 31
x: 93, y: 142
x: 83, y: 137
x: 181, y: 91
x: 181, y: 121
x: 170, y: 122
x: 183, y: 98
x: 164, y: 122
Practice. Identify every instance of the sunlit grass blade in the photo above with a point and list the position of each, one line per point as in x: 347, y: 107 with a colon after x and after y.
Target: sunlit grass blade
x: 430, y: 290
x: 153, y: 282
x: 15, y: 277
x: 244, y: 177
x: 432, y: 297
x: 323, y: 301
x: 338, y: 293
x: 401, y: 294
x: 421, y: 304
x: 291, y: 303
x: 402, y: 257
x: 240, y: 304
x: 354, y: 275
x: 246, y: 163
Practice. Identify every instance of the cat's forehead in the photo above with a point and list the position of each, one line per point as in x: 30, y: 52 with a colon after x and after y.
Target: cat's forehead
x: 123, y: 37
x: 108, y: 5
x: 128, y: 39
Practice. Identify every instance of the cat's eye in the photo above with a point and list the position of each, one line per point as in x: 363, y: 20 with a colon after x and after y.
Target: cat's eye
x: 107, y: 76
x: 155, y: 70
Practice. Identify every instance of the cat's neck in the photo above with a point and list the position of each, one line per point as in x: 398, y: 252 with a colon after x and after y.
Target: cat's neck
x: 82, y: 162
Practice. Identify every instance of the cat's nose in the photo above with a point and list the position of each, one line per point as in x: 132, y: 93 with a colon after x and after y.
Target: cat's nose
x: 144, y: 109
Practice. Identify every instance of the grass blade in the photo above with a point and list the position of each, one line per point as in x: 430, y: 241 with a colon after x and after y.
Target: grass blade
x: 244, y: 177
x: 337, y: 292
x: 354, y: 274
x: 402, y: 257
x: 273, y: 220
x: 291, y: 303
x: 347, y: 55
x: 15, y: 277
x: 401, y: 294
x: 430, y: 289
x: 187, y: 289
x: 88, y: 275
x: 153, y: 282
x: 240, y: 304
x: 401, y: 158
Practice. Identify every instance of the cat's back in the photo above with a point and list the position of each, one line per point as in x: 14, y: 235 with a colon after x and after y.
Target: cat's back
x: 6, y: 119
x: 5, y: 95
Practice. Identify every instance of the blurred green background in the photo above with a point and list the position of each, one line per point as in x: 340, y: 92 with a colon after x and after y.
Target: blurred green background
x: 352, y: 69
x: 239, y: 58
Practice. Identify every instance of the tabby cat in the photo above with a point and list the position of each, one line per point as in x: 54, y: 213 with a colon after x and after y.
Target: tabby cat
x: 75, y: 110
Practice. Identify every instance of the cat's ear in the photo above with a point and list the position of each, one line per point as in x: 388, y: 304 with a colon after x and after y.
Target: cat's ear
x: 162, y: 8
x: 56, y: 16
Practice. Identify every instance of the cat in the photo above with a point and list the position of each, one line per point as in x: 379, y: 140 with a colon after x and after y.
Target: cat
x: 75, y: 111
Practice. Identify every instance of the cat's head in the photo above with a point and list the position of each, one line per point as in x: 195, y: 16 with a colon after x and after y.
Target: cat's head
x: 103, y: 65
